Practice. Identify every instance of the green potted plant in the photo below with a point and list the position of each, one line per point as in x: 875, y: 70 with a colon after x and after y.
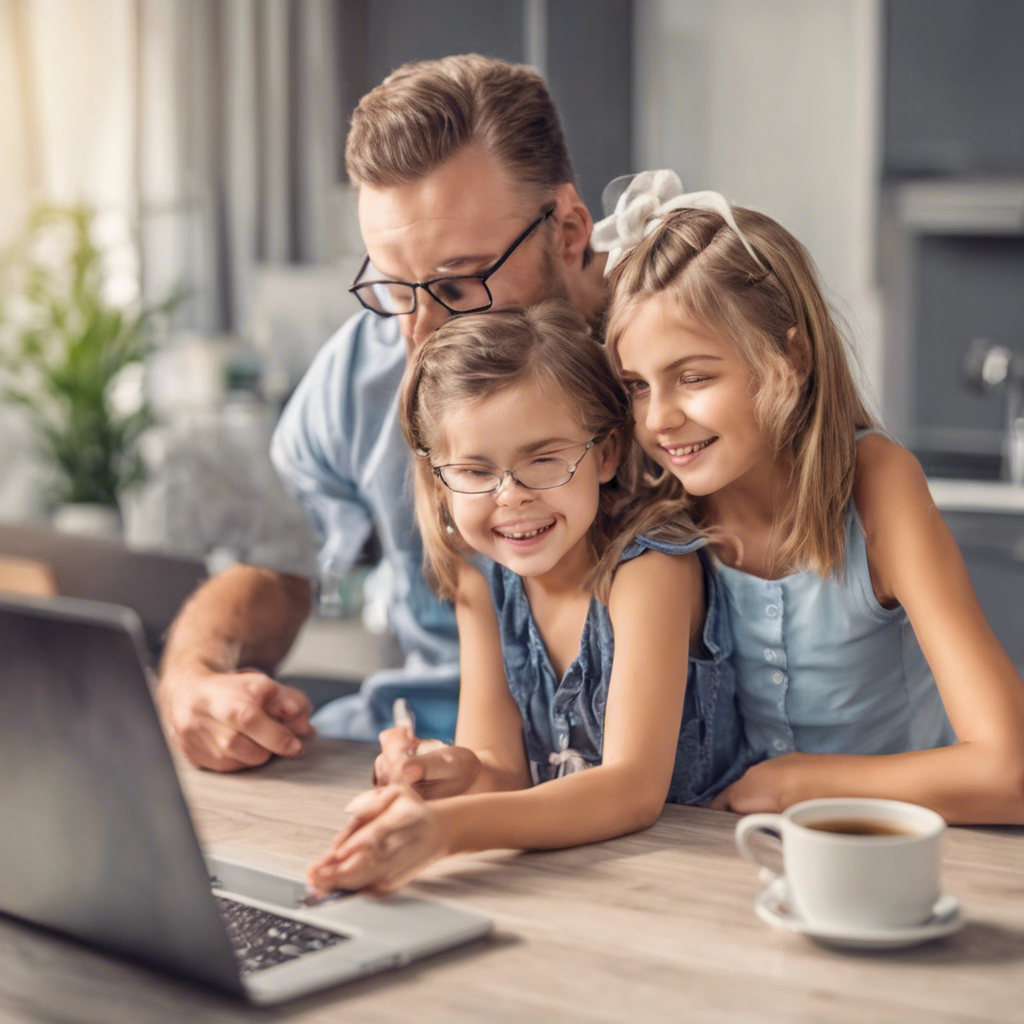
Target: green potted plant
x: 65, y: 350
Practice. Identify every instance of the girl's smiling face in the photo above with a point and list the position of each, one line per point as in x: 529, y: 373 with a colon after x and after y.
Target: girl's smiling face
x: 693, y: 399
x: 531, y: 532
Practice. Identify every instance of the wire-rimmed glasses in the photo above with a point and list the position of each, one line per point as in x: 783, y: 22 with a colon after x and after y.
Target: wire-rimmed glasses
x: 536, y: 473
x: 462, y: 294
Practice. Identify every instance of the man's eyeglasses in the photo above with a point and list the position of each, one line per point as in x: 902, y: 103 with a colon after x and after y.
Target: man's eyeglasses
x: 537, y: 473
x: 466, y: 294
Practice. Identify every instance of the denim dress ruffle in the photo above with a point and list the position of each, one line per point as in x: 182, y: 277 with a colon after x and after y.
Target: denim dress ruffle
x: 563, y: 720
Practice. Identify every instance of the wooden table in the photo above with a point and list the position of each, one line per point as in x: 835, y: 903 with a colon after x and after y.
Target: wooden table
x: 657, y: 926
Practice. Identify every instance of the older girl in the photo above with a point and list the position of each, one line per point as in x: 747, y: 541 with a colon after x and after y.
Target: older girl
x: 865, y: 665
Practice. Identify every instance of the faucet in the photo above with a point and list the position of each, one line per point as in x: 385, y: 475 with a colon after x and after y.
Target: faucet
x: 986, y: 366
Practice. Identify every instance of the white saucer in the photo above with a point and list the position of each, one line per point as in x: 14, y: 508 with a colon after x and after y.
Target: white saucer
x: 946, y: 918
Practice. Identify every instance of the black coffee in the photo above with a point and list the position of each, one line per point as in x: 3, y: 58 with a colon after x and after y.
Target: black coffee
x: 860, y: 827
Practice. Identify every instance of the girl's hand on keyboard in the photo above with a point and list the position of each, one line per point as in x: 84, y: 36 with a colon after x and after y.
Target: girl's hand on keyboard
x: 393, y: 834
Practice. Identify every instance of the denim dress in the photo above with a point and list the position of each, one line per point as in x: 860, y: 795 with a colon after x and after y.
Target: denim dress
x: 563, y: 719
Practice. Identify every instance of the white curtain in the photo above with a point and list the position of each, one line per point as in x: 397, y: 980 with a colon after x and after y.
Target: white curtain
x: 66, y: 105
x: 208, y: 129
x: 239, y: 147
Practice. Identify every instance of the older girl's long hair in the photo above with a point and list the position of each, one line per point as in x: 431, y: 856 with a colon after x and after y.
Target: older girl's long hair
x: 806, y: 400
x: 479, y: 355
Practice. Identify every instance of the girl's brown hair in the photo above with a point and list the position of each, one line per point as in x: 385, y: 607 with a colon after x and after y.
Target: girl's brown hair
x: 806, y: 399
x: 479, y: 355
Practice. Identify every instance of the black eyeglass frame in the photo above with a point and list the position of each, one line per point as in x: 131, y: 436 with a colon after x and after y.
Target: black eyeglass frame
x: 426, y: 285
x: 505, y: 474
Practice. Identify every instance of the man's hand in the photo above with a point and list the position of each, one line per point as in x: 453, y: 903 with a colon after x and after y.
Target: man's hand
x: 433, y: 769
x: 221, y: 716
x: 227, y: 721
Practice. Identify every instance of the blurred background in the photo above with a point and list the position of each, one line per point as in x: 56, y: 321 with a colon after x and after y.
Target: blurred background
x: 217, y: 237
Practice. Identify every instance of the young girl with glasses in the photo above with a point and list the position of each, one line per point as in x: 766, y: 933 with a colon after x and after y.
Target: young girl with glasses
x: 594, y: 680
x: 865, y: 665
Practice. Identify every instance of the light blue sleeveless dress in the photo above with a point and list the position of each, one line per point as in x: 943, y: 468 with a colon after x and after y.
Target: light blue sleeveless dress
x: 563, y: 719
x: 822, y: 667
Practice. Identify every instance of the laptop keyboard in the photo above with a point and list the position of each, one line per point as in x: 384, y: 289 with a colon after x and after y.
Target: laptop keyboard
x: 262, y: 939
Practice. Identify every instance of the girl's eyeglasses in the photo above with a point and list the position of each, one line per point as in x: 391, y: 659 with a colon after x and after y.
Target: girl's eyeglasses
x: 537, y: 473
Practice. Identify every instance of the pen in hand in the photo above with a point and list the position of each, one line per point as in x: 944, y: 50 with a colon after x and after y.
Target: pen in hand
x: 404, y: 719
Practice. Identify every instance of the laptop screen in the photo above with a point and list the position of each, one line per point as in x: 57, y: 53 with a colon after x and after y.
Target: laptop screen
x: 99, y: 843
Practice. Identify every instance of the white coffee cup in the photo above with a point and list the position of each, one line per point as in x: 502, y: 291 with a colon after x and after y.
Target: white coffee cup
x: 883, y: 873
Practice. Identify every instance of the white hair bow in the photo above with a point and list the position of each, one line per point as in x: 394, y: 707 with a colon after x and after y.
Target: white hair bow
x: 644, y: 200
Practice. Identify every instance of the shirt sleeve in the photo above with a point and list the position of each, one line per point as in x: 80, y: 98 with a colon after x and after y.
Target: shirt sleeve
x: 312, y: 450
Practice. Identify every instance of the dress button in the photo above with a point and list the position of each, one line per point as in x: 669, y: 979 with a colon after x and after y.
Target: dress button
x: 772, y: 611
x: 769, y: 654
x: 778, y: 678
x: 780, y: 744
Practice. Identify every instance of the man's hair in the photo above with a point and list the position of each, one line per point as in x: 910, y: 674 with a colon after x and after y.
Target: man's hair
x: 426, y: 111
x: 807, y: 402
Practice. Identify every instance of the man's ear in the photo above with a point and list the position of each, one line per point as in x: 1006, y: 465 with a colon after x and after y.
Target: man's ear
x: 573, y: 225
x: 609, y: 456
x: 798, y: 354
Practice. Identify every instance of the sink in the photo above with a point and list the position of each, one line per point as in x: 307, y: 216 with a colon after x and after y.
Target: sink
x: 947, y: 465
x: 994, y: 534
x: 959, y: 495
x: 969, y: 481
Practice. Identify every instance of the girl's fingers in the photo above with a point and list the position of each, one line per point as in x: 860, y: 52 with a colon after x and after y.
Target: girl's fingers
x: 363, y: 808
x: 383, y: 833
x: 348, y: 829
x: 388, y: 839
x: 721, y: 802
x: 380, y: 854
x: 353, y: 872
x: 370, y: 804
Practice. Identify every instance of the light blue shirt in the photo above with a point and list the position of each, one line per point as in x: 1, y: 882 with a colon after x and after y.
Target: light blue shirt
x: 339, y: 447
x: 822, y: 667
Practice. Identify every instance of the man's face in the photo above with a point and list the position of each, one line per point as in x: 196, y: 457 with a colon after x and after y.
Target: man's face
x: 458, y: 220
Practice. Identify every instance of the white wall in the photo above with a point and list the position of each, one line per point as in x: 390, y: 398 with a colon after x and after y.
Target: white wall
x: 773, y: 103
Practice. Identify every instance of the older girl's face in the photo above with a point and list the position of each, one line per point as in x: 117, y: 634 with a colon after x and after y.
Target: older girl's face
x: 531, y: 532
x: 693, y: 399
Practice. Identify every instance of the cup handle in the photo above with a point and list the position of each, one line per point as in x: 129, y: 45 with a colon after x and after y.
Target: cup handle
x: 770, y: 824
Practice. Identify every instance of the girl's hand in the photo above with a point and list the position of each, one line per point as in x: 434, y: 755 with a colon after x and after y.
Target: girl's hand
x: 769, y: 786
x: 392, y: 835
x: 434, y: 769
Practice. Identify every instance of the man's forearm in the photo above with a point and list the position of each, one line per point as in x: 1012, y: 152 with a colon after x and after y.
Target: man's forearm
x: 245, y: 616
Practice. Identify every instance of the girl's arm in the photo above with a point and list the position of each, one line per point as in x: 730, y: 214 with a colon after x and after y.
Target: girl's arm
x: 915, y: 561
x: 489, y: 722
x: 654, y: 605
x: 488, y: 751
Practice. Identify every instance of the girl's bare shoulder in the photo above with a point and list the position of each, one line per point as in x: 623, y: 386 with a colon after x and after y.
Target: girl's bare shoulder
x: 472, y: 586
x: 887, y: 477
x: 901, y: 524
x: 646, y: 585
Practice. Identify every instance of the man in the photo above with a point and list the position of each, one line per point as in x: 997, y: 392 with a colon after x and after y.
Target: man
x: 466, y: 202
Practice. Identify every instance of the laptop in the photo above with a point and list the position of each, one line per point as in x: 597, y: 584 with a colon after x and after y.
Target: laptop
x: 153, y: 584
x: 99, y: 844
